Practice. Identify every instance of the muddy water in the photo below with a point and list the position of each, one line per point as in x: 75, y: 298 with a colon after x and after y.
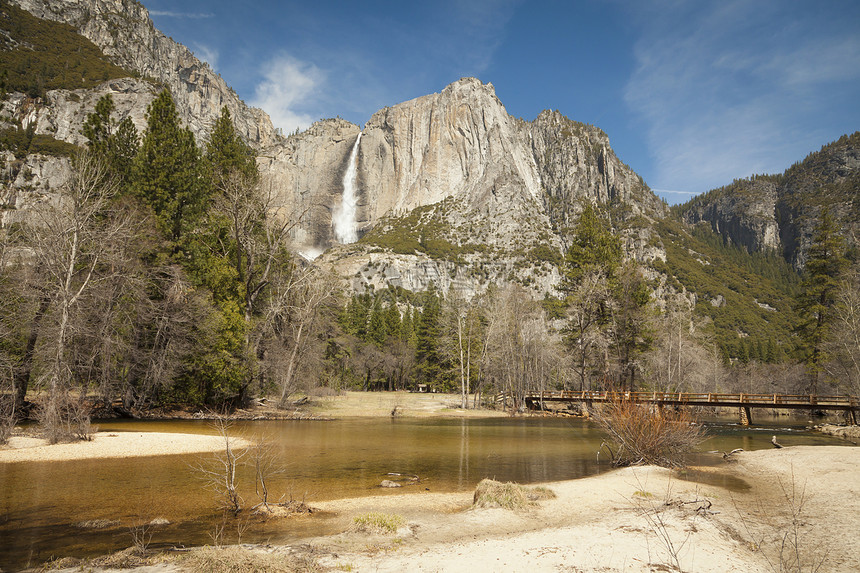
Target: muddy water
x: 43, y: 504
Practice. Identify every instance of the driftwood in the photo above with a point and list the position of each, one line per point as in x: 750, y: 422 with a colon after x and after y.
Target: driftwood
x: 775, y: 443
x: 727, y: 455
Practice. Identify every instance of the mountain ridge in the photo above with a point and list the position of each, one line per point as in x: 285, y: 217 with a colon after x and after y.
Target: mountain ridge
x: 779, y: 212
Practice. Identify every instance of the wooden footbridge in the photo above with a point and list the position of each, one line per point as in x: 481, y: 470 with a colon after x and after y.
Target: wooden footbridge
x: 850, y: 405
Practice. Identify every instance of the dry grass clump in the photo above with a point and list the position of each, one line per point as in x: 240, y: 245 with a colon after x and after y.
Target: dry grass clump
x: 491, y: 493
x: 126, y: 559
x: 374, y: 522
x: 236, y: 559
x: 643, y: 435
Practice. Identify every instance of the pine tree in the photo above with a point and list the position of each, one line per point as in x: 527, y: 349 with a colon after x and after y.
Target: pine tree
x: 824, y: 267
x: 376, y: 325
x: 116, y: 147
x: 427, y: 332
x: 407, y: 327
x: 590, y: 285
x: 631, y: 329
x: 392, y: 321
x: 167, y: 170
x: 226, y: 153
x: 97, y: 126
x: 594, y: 248
x: 123, y: 146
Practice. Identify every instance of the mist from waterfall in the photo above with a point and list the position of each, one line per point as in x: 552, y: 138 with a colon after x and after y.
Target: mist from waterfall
x: 344, y: 215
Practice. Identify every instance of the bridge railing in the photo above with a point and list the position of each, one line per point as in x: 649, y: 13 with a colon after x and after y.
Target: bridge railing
x: 699, y: 398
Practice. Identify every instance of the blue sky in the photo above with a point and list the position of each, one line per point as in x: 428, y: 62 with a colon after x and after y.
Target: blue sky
x: 692, y: 94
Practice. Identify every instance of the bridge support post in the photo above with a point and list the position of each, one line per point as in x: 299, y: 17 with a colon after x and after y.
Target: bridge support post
x: 586, y: 408
x: 851, y: 417
x: 745, y: 416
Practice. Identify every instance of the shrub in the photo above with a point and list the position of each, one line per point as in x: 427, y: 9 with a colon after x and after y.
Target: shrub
x: 641, y: 435
x: 491, y: 493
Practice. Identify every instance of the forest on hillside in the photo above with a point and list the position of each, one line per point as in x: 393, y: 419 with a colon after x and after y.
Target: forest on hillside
x: 161, y: 277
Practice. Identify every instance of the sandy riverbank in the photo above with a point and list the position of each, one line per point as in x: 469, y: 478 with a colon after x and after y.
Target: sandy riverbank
x: 640, y: 519
x: 781, y: 505
x: 405, y: 404
x: 112, y: 445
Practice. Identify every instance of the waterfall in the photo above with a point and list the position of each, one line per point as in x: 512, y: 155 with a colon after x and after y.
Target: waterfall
x: 344, y: 216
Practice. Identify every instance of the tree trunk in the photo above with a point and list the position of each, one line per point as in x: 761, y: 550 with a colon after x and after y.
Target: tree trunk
x: 22, y: 374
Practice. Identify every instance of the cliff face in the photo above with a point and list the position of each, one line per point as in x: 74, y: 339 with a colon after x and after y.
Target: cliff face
x: 123, y: 31
x: 453, y: 190
x: 780, y: 212
x: 576, y: 163
x: 745, y: 212
x: 307, y: 172
x: 505, y: 182
x: 441, y: 145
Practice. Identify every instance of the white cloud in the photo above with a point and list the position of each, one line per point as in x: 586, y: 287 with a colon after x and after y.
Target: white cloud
x: 734, y: 89
x: 207, y: 54
x: 172, y: 14
x: 287, y: 90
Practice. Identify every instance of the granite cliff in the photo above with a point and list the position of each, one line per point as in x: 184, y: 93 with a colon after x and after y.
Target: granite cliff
x: 455, y: 191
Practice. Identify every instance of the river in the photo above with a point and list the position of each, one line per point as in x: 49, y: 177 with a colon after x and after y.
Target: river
x: 44, y: 503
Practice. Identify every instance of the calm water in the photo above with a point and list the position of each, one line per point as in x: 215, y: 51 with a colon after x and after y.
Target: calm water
x: 41, y: 502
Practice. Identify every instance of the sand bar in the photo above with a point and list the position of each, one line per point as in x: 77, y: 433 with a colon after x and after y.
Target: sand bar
x: 112, y: 445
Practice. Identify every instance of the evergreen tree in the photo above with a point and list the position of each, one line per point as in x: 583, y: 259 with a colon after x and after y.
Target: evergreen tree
x: 407, y: 328
x: 226, y: 153
x: 122, y: 149
x: 427, y: 332
x: 97, y: 126
x: 376, y: 332
x: 167, y: 170
x: 824, y: 267
x: 594, y: 249
x: 116, y: 147
x: 392, y: 321
x: 631, y: 329
x: 770, y: 352
x: 590, y: 286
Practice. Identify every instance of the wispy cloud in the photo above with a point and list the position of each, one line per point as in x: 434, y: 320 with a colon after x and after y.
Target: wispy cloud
x: 287, y: 91
x: 207, y: 54
x: 172, y: 14
x: 734, y: 88
x: 479, y: 27
x: 682, y: 194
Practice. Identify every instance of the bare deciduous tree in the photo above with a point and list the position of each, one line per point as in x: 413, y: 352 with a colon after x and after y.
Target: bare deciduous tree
x: 220, y: 473
x: 844, y: 343
x: 300, y: 302
x: 70, y: 239
x: 682, y: 358
x: 520, y: 353
x: 587, y: 309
